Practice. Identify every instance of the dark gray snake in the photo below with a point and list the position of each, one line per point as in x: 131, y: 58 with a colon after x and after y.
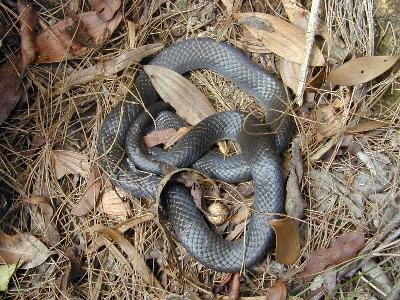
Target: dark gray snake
x: 260, y: 157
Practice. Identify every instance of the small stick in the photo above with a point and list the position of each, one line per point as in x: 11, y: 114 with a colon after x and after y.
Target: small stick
x: 311, y: 28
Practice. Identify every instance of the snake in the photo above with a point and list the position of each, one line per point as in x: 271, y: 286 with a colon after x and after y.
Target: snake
x: 138, y: 170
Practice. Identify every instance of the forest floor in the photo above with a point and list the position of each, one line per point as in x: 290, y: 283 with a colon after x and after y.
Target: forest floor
x: 68, y: 233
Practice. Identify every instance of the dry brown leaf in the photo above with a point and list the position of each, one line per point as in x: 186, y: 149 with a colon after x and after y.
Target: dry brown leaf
x: 277, y: 291
x: 149, y: 9
x: 69, y: 162
x: 73, y: 270
x: 279, y: 36
x: 135, y: 258
x: 189, y: 102
x: 366, y: 126
x: 328, y: 121
x: 28, y: 19
x: 106, y: 9
x: 42, y: 224
x: 158, y: 137
x: 11, y: 71
x: 22, y: 246
x: 299, y: 16
x: 287, y: 240
x: 112, y: 203
x: 361, y: 69
x: 92, y: 191
x: 342, y: 249
x: 108, y: 68
x: 73, y: 37
x: 234, y: 288
x: 294, y: 203
x: 290, y: 73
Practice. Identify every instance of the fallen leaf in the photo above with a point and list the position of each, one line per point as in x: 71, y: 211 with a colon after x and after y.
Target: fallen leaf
x: 294, y: 203
x: 290, y: 73
x: 328, y: 121
x: 277, y: 291
x: 300, y: 16
x: 232, y: 5
x: 69, y: 162
x: 12, y: 70
x: 150, y: 8
x: 361, y: 69
x: 234, y: 287
x: 281, y: 37
x: 366, y: 126
x: 73, y: 37
x: 28, y: 19
x: 6, y: 272
x: 22, y: 246
x: 158, y: 137
x: 287, y: 240
x: 73, y: 270
x: 92, y: 191
x: 189, y: 102
x: 106, y: 9
x: 342, y: 249
x: 135, y: 259
x: 112, y: 203
x: 42, y: 213
x: 107, y: 68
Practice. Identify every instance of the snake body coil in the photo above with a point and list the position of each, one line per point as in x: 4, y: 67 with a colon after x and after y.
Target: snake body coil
x: 260, y: 158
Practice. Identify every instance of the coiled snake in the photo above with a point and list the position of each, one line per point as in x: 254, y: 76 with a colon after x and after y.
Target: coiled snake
x: 260, y: 157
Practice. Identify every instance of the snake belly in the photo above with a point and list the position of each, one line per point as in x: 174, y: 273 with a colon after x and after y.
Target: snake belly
x: 260, y: 152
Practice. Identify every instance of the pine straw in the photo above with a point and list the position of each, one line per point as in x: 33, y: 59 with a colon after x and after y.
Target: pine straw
x: 72, y: 120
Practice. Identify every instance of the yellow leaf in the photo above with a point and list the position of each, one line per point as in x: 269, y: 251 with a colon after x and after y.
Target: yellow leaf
x: 279, y: 36
x: 362, y: 69
x: 190, y: 104
x: 287, y: 240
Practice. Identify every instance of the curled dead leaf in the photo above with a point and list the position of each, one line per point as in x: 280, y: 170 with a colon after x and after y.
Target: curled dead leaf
x: 234, y: 287
x: 287, y: 240
x: 361, y: 69
x: 106, y: 9
x: 328, y: 120
x: 73, y: 37
x: 294, y: 203
x: 290, y: 73
x: 92, y: 191
x: 107, y: 68
x: 279, y: 36
x: 12, y: 70
x: 135, y: 258
x: 277, y: 291
x: 42, y: 226
x: 189, y: 102
x: 342, y: 249
x: 366, y: 126
x: 69, y: 162
x: 112, y: 204
x: 22, y: 247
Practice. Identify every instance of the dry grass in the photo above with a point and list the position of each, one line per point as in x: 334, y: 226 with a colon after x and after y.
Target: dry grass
x: 72, y: 120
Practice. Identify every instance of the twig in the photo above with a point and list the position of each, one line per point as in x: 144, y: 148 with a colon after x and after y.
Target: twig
x: 311, y: 28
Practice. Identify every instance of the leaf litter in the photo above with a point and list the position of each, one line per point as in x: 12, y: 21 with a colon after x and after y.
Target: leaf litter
x: 342, y: 172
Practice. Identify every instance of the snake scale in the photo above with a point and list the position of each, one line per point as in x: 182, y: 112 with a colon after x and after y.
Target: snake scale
x: 260, y: 159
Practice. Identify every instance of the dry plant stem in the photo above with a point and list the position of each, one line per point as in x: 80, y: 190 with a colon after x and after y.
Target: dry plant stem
x: 311, y: 28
